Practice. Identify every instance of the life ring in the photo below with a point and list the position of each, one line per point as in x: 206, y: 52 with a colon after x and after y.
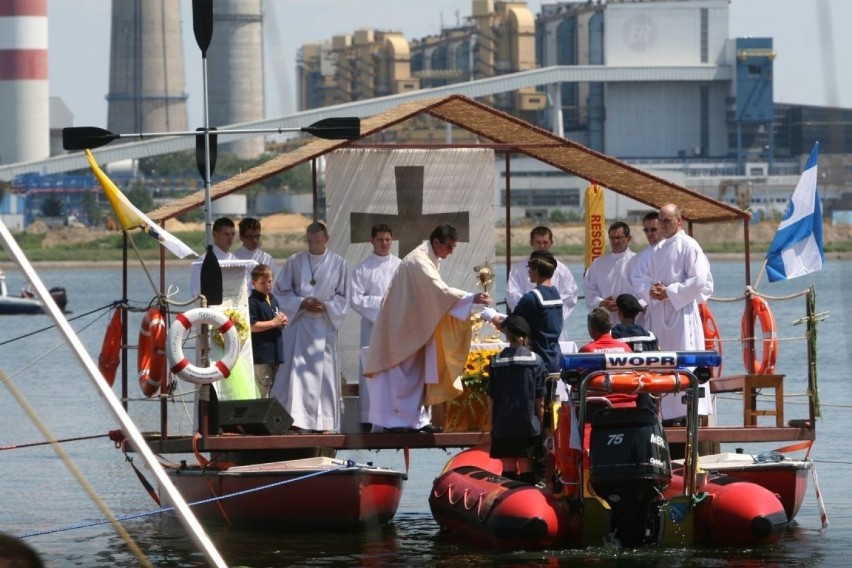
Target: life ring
x: 111, y: 349
x: 712, y: 337
x: 760, y: 312
x: 178, y: 333
x: 630, y: 383
x: 151, y: 359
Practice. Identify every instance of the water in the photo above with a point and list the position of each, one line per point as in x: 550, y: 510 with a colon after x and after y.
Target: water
x: 41, y: 495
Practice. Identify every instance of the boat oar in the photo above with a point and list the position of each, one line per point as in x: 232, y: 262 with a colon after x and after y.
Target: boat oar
x: 211, y: 272
x: 332, y: 128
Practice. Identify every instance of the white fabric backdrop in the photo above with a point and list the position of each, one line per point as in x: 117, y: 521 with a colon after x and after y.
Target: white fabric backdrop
x: 454, y: 180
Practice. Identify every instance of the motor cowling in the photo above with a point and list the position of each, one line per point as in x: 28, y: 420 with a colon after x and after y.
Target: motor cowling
x: 629, y: 468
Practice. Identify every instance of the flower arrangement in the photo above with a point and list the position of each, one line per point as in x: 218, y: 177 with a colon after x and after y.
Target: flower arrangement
x: 469, y: 411
x: 243, y: 328
x: 475, y: 374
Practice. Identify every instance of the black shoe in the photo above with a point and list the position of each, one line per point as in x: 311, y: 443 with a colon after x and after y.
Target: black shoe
x: 400, y: 430
x: 431, y: 429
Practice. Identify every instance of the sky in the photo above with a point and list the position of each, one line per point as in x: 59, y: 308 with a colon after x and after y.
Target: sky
x: 806, y: 35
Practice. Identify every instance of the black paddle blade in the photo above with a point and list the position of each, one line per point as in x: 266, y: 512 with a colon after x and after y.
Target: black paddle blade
x: 83, y: 137
x: 202, y: 24
x: 211, y: 278
x: 199, y: 152
x: 336, y: 128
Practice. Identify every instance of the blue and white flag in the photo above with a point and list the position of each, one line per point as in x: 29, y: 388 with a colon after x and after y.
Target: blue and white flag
x: 797, y: 247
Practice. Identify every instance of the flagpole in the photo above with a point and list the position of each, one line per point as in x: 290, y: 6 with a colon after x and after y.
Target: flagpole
x: 760, y: 275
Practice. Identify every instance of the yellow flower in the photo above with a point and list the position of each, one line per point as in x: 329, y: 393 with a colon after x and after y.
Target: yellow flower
x: 475, y: 375
x: 240, y: 323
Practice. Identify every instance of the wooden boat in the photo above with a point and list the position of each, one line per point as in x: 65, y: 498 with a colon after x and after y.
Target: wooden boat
x: 317, y: 492
x: 784, y: 476
x: 619, y: 481
x: 27, y: 304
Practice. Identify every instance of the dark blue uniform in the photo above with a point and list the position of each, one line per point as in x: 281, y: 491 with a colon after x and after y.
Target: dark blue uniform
x: 516, y: 380
x: 265, y: 345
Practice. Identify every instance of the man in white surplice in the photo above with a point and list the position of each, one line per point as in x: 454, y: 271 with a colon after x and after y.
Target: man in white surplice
x: 420, y: 340
x: 607, y: 277
x: 313, y: 290
x: 250, y: 235
x: 370, y: 282
x: 677, y: 280
x: 519, y: 283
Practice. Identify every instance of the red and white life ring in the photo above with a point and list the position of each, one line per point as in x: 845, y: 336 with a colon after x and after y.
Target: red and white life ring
x: 178, y: 333
x: 761, y: 313
x: 712, y: 339
x: 111, y: 349
x: 151, y: 360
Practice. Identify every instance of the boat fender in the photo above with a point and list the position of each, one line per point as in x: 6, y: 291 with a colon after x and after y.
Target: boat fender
x: 712, y: 337
x: 629, y: 383
x: 762, y: 314
x: 151, y: 360
x: 111, y: 349
x: 178, y: 333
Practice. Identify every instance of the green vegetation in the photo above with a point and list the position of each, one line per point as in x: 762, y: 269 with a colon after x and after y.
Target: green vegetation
x: 109, y: 248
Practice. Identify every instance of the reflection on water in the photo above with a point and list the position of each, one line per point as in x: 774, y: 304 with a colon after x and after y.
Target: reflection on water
x: 40, y: 494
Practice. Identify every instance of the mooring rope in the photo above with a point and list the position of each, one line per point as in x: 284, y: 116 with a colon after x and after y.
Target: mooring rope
x: 37, y: 331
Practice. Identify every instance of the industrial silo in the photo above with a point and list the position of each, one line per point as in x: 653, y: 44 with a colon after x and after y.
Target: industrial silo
x: 146, y: 75
x: 235, y: 70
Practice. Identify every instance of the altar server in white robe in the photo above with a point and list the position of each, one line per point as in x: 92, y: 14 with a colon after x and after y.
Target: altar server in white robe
x: 370, y: 282
x: 313, y: 290
x: 420, y: 340
x: 250, y: 235
x: 640, y: 263
x: 607, y: 277
x: 519, y: 283
x: 678, y: 279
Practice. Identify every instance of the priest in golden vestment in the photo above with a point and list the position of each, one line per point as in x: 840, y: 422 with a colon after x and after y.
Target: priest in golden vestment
x: 420, y: 340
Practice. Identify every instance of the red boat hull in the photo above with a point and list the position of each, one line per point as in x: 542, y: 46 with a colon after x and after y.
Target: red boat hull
x: 497, y: 511
x: 471, y: 499
x: 300, y: 498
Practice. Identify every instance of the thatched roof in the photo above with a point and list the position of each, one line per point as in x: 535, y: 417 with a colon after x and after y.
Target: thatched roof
x: 501, y: 128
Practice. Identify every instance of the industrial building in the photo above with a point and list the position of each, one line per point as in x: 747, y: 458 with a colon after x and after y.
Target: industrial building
x: 719, y: 132
x: 658, y: 83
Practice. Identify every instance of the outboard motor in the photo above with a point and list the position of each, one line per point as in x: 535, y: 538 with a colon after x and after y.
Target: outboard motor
x: 630, y: 467
x: 60, y: 297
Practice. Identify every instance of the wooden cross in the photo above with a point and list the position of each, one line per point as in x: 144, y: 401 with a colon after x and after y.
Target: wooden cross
x: 410, y: 225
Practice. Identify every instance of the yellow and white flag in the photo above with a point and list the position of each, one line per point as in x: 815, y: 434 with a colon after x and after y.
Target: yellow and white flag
x: 129, y: 217
x: 595, y: 219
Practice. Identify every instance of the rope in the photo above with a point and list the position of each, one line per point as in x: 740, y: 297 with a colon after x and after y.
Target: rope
x: 62, y: 441
x: 52, y: 326
x: 348, y: 465
x: 78, y: 475
x: 752, y: 292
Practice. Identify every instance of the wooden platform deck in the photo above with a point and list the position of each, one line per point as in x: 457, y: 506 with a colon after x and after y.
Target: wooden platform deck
x: 385, y: 441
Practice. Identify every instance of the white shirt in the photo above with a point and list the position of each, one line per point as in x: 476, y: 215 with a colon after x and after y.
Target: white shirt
x: 608, y: 277
x: 256, y: 255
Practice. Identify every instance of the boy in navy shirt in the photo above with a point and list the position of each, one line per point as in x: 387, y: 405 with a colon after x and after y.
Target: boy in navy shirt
x: 266, y: 325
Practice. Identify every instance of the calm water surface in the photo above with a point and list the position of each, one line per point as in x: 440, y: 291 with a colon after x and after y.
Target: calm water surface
x: 41, y: 495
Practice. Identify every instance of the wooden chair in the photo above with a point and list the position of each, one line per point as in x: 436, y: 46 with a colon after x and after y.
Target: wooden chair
x: 748, y: 385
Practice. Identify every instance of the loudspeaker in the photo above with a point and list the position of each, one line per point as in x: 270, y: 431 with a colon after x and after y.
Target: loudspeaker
x: 257, y: 417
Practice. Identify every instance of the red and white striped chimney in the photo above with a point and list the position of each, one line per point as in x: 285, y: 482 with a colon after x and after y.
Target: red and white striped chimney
x: 24, y: 91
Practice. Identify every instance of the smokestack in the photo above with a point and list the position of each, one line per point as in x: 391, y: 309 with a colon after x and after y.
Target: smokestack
x: 146, y: 76
x: 235, y: 70
x: 24, y: 92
